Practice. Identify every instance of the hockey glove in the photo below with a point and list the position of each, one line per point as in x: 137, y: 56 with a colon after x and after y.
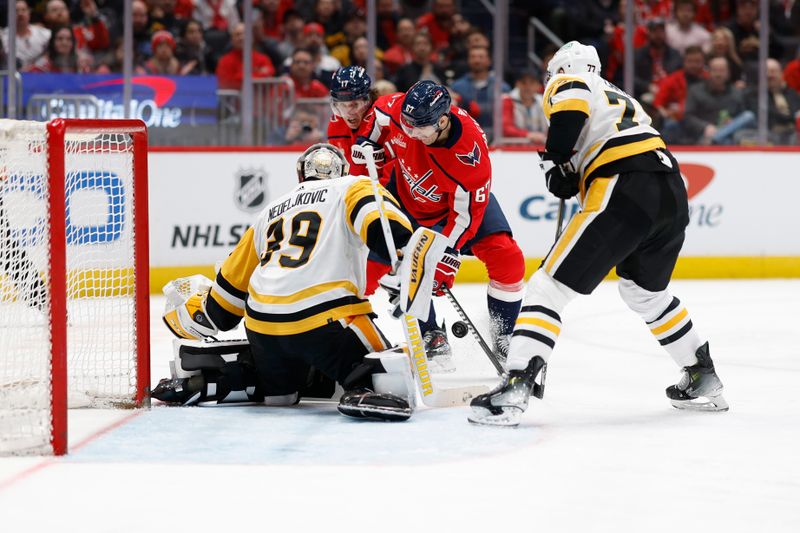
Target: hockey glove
x: 185, y: 311
x: 446, y: 271
x: 560, y: 178
x: 360, y: 158
x: 391, y: 284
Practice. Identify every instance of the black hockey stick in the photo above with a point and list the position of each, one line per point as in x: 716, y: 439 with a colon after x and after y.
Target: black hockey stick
x: 498, y: 366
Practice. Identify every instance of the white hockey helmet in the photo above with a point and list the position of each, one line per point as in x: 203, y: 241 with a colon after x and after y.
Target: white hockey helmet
x: 321, y: 161
x: 574, y: 58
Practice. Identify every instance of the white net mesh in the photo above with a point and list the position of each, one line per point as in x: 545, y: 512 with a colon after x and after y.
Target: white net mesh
x: 101, y: 333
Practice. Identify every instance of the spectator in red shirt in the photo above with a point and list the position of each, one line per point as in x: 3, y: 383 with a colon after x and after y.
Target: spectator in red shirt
x: 388, y: 18
x: 91, y: 33
x: 439, y: 22
x: 400, y: 54
x: 272, y: 12
x: 791, y: 74
x: 615, y: 38
x: 670, y: 98
x: 230, y: 68
x: 301, y: 72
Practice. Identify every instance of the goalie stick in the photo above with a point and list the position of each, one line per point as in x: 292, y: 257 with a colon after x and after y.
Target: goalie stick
x: 432, y: 396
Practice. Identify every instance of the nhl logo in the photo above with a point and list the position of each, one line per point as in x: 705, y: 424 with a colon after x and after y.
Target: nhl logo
x: 250, y: 193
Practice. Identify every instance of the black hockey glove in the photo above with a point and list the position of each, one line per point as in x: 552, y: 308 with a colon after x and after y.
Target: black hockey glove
x: 561, y: 179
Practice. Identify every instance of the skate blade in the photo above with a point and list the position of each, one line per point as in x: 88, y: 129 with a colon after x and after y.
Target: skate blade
x: 482, y: 417
x: 703, y: 403
x: 375, y: 413
x: 441, y: 364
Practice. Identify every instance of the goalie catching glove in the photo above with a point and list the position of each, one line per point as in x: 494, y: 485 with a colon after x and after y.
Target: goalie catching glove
x: 560, y: 176
x: 185, y: 311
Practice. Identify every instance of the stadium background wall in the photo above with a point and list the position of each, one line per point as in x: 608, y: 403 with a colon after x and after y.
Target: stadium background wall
x: 743, y: 208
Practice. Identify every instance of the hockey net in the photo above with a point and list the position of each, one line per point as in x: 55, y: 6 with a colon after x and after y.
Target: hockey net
x: 74, y: 314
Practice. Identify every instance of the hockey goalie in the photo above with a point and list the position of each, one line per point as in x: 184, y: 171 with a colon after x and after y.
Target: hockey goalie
x: 297, y: 278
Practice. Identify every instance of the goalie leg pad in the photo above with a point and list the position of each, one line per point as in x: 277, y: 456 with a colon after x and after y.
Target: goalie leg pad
x: 418, y: 271
x: 381, y: 387
x: 210, y: 372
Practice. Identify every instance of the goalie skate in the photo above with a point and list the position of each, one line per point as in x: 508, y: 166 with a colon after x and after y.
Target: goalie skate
x: 699, y: 389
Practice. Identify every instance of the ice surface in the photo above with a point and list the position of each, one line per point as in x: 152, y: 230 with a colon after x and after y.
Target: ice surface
x: 604, y: 451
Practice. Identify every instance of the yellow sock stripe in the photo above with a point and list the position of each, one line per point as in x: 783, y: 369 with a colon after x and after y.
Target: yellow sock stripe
x: 671, y: 323
x: 549, y: 326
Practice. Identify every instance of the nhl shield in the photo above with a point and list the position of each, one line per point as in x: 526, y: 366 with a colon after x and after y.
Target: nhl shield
x: 250, y: 193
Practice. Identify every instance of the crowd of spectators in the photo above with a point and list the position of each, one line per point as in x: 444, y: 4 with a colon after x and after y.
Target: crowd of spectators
x: 695, y: 61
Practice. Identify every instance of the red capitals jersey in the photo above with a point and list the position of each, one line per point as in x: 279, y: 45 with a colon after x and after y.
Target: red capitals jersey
x: 451, y: 181
x: 342, y: 137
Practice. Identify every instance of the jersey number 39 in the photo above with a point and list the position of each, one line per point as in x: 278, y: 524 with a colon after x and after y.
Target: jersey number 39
x: 304, y: 233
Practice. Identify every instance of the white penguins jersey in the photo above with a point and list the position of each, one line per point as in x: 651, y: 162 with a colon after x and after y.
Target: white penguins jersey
x: 617, y: 126
x: 303, y: 264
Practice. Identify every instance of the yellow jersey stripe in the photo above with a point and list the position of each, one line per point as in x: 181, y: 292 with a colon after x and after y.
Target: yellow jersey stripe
x: 596, y: 194
x: 226, y: 305
x: 571, y: 104
x: 305, y: 293
x: 240, y: 264
x: 622, y: 151
x: 307, y: 324
x: 549, y: 326
x: 671, y: 323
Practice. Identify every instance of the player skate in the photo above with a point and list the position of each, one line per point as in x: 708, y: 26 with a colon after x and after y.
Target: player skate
x: 504, y: 405
x: 699, y: 389
x: 437, y: 348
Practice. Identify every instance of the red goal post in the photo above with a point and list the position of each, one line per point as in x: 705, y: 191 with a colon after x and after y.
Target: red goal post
x: 74, y: 279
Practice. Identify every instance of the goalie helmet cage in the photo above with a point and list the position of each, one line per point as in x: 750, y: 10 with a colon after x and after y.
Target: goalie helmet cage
x: 74, y: 268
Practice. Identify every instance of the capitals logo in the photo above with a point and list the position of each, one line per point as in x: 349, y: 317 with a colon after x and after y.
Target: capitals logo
x: 416, y: 185
x: 471, y: 158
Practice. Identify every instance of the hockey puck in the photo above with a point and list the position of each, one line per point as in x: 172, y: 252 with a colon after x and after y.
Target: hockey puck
x: 459, y: 329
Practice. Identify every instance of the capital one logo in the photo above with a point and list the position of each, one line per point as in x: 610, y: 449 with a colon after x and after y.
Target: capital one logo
x: 697, y: 177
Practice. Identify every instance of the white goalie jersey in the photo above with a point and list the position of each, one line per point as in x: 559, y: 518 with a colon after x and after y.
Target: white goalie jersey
x: 303, y: 263
x: 617, y: 126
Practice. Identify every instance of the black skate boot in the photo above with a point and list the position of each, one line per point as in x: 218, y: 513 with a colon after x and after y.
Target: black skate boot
x: 699, y: 389
x: 504, y: 405
x: 437, y: 348
x: 179, y: 391
x: 364, y: 403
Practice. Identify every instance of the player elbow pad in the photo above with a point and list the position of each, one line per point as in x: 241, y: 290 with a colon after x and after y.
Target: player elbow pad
x: 565, y: 128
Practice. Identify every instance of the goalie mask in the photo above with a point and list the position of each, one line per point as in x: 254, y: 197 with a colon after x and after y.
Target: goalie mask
x: 573, y: 58
x: 321, y: 161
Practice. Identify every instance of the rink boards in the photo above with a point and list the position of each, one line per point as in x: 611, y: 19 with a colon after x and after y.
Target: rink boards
x: 741, y: 202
